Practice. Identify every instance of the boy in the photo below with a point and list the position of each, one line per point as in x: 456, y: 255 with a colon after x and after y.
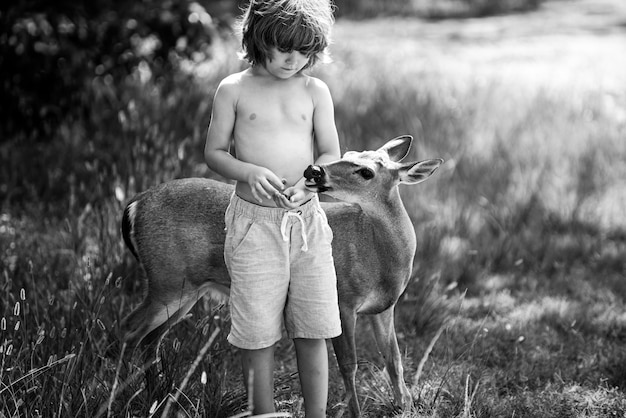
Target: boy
x: 278, y: 242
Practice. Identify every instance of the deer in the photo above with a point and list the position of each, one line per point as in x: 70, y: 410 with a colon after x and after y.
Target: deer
x: 176, y: 232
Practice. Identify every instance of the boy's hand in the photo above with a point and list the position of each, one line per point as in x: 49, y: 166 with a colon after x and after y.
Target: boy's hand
x: 264, y: 183
x: 292, y: 197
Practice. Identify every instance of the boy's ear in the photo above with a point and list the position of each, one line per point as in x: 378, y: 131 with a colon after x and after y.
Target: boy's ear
x: 397, y: 148
x: 413, y: 173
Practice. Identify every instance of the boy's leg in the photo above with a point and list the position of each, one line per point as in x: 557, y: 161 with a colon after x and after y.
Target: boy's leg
x: 312, y: 358
x: 258, y: 375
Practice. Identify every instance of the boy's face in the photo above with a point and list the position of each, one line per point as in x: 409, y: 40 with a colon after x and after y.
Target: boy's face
x: 285, y: 64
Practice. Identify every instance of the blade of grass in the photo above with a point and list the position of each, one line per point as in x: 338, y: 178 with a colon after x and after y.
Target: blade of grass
x: 192, y: 369
x: 37, y: 372
x: 427, y: 352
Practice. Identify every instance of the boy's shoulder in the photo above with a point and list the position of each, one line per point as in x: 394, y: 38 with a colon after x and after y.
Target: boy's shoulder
x: 230, y: 86
x: 234, y: 79
x: 317, y: 88
x: 314, y: 82
x: 315, y: 85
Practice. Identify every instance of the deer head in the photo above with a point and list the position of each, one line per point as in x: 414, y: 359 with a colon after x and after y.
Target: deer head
x: 361, y: 177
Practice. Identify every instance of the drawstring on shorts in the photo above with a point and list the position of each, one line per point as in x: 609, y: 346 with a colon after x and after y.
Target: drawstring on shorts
x: 283, y: 228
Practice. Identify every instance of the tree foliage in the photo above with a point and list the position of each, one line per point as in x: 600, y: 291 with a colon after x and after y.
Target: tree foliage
x: 50, y: 52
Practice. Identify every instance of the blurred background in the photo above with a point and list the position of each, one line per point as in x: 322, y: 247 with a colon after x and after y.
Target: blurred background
x: 521, y: 233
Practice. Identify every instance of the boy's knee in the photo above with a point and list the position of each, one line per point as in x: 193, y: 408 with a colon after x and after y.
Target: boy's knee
x: 310, y: 342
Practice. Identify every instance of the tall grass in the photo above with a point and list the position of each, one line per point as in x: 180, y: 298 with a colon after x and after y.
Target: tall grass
x: 518, y: 275
x: 433, y: 9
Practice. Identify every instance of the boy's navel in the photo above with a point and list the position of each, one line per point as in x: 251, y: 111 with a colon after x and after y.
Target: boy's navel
x: 303, y: 116
x: 252, y: 116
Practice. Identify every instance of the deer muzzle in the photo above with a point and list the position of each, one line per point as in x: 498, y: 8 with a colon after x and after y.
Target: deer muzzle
x: 314, y: 174
x: 315, y: 179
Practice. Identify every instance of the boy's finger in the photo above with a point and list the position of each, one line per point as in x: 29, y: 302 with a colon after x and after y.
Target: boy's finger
x: 275, y: 182
x: 255, y: 194
x: 287, y: 203
x: 268, y: 189
x: 258, y: 191
x: 280, y: 200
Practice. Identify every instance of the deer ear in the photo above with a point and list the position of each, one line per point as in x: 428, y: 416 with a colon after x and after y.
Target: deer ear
x: 398, y: 148
x: 413, y: 173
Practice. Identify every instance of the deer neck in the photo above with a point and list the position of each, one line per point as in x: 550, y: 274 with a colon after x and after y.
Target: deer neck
x: 391, y: 222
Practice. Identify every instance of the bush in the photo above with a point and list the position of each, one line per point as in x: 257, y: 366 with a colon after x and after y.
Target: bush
x: 50, y: 54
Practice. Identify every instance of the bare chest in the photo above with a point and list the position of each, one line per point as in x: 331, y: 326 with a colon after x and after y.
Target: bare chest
x: 268, y: 109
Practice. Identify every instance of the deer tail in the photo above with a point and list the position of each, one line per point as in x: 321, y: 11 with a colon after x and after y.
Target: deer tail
x: 128, y: 226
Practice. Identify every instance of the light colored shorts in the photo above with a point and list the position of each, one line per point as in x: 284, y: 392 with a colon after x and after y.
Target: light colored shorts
x: 281, y: 268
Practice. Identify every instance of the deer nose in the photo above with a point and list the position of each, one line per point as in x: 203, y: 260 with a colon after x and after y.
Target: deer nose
x: 314, y: 173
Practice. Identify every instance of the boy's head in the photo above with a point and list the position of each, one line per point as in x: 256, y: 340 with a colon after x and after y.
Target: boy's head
x: 288, y: 25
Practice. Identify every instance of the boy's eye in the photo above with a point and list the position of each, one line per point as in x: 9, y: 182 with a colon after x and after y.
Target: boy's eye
x: 289, y: 51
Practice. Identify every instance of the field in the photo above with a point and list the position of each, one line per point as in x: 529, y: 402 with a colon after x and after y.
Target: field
x: 517, y: 307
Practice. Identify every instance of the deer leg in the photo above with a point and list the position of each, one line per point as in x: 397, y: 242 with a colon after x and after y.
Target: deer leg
x: 156, y: 316
x: 386, y: 340
x: 159, y: 319
x: 345, y: 351
x: 145, y: 326
x: 144, y: 320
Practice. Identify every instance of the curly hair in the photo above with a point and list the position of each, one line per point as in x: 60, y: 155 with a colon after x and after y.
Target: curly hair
x: 288, y: 25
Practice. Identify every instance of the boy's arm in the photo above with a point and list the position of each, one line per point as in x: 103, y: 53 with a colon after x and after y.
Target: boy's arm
x: 263, y: 182
x: 326, y: 137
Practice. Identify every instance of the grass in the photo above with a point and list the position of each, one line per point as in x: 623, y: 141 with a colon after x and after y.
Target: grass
x: 517, y: 305
x: 431, y: 9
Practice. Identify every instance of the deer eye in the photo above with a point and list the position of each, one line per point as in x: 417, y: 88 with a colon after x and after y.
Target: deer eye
x: 366, y: 173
